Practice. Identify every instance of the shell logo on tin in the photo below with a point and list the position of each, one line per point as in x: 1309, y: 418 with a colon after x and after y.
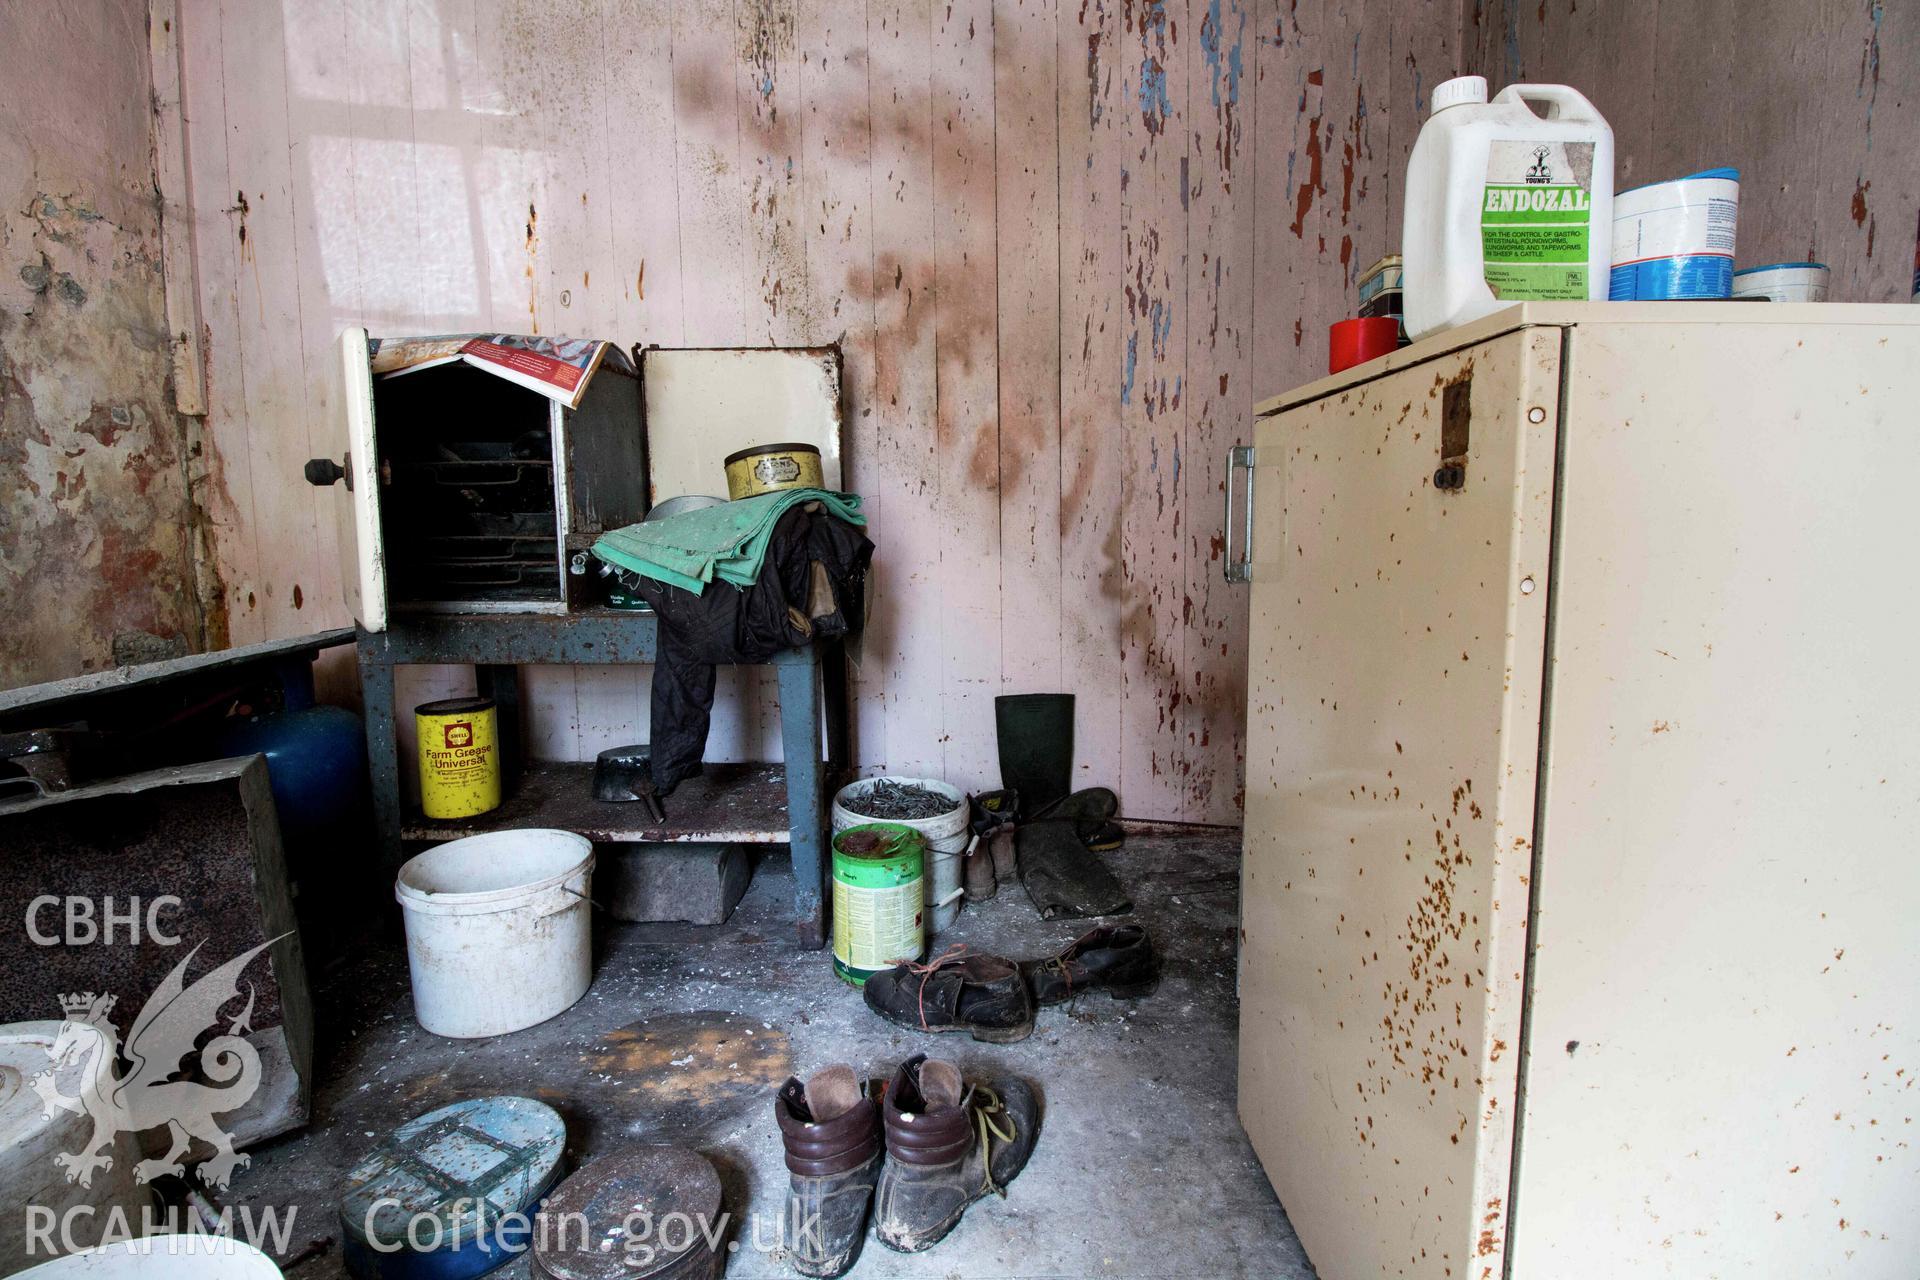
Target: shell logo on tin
x: 457, y: 734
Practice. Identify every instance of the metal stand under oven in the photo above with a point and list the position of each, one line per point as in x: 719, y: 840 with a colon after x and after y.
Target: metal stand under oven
x: 730, y: 804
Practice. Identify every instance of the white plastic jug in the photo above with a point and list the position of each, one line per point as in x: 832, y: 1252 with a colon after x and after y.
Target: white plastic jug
x: 1505, y: 203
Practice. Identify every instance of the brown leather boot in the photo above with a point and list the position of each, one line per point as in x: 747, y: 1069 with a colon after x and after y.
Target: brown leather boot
x: 993, y: 815
x: 1006, y: 863
x: 956, y: 991
x: 950, y: 1141
x: 980, y: 881
x: 832, y: 1134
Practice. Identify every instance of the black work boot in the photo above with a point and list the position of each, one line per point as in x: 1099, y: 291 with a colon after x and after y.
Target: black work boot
x: 832, y: 1134
x: 1118, y: 959
x: 956, y: 991
x: 949, y: 1142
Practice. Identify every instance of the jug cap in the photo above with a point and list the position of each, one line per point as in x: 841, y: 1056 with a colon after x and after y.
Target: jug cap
x: 1459, y: 91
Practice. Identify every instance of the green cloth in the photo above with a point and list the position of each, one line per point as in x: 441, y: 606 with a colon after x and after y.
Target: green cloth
x: 727, y: 542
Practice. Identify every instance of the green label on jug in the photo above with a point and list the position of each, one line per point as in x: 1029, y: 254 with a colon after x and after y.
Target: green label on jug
x: 1536, y: 219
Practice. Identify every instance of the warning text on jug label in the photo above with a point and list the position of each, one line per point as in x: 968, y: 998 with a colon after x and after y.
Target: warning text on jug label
x: 1536, y: 219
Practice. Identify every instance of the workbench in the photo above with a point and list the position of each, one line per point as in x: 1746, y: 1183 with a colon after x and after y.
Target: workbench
x: 744, y: 803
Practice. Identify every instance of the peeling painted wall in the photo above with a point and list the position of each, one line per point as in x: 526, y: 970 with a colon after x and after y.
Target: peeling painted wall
x: 96, y: 529
x: 1065, y: 246
x: 1813, y: 102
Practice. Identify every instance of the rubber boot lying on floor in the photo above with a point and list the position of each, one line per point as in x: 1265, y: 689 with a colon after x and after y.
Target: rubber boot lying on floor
x: 949, y: 1142
x: 832, y: 1133
x: 1062, y: 874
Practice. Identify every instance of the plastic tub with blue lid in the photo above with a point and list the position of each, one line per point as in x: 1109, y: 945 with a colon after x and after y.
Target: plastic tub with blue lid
x: 1783, y: 282
x: 1675, y: 240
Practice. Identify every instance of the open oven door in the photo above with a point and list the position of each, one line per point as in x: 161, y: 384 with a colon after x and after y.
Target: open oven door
x: 353, y: 460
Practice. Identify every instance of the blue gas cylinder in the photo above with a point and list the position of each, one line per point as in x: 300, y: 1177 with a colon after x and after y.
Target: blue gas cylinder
x: 316, y: 755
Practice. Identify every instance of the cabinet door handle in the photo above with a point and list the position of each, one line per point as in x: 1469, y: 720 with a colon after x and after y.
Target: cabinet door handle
x: 1238, y: 566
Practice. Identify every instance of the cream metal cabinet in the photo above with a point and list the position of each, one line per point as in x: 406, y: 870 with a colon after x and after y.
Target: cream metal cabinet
x: 1583, y: 781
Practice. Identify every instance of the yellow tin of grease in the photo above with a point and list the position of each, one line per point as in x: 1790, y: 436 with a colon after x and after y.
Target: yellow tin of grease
x: 769, y: 468
x: 459, y: 757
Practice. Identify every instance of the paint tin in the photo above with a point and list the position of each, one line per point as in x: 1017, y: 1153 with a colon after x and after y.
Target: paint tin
x: 451, y: 1194
x: 1783, y: 282
x: 1380, y: 288
x: 1674, y: 240
x: 768, y: 468
x: 647, y: 1213
x: 879, y: 902
x: 459, y: 757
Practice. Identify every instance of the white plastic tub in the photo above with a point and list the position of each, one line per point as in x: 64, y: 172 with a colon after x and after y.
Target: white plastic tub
x: 947, y: 840
x: 34, y: 1135
x: 1784, y: 282
x: 499, y: 930
x: 165, y: 1257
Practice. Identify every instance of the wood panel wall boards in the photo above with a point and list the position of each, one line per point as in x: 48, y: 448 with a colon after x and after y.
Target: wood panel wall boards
x: 1155, y: 245
x: 835, y: 227
x: 1221, y: 231
x: 1054, y: 242
x: 1094, y: 311
x: 909, y: 612
x: 966, y: 371
x: 1028, y: 252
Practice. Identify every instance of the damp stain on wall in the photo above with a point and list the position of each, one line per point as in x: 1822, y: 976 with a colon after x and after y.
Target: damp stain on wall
x: 98, y: 529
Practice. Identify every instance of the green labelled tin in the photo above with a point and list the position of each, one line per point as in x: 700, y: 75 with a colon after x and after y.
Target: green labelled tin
x: 878, y: 899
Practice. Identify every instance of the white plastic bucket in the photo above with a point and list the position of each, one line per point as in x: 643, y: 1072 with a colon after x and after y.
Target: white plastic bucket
x: 188, y: 1256
x: 499, y: 930
x: 947, y: 840
x: 33, y: 1135
x: 1675, y: 240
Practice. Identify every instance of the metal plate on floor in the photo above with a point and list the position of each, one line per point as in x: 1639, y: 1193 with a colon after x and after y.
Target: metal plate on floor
x: 453, y: 1189
x: 649, y: 1213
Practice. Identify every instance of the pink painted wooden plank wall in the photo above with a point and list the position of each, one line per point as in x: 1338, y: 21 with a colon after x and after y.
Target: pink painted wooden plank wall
x: 1065, y: 245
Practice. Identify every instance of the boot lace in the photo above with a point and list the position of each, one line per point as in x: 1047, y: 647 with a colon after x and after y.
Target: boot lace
x: 1059, y: 963
x: 952, y: 955
x: 986, y: 1107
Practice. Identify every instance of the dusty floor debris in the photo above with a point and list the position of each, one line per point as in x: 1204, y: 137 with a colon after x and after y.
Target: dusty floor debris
x: 687, y: 1031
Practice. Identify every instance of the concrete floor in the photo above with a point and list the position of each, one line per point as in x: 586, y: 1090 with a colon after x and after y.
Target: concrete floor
x: 1141, y: 1167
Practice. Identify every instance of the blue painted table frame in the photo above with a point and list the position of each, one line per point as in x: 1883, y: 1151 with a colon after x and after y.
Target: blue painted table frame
x: 498, y: 644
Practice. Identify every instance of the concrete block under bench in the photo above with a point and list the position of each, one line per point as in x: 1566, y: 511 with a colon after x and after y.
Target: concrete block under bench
x: 671, y: 883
